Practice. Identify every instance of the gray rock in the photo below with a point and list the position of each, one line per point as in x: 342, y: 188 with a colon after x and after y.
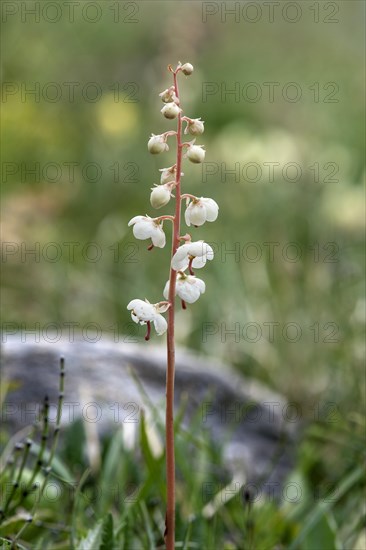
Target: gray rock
x: 243, y: 417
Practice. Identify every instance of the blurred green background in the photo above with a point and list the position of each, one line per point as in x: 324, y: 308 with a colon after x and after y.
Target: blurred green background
x: 97, y: 71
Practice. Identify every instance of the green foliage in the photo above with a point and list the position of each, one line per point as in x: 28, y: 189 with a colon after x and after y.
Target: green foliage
x: 121, y: 505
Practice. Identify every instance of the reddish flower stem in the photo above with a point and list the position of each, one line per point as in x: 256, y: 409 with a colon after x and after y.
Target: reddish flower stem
x: 148, y: 333
x: 169, y: 419
x: 189, y: 196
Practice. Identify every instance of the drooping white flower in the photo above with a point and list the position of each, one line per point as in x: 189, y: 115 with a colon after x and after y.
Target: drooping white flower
x: 196, y: 153
x: 171, y: 110
x: 160, y: 195
x: 157, y: 144
x: 143, y: 312
x: 195, y: 126
x: 192, y: 255
x: 145, y: 227
x: 200, y: 211
x: 188, y: 287
x: 187, y: 69
x: 168, y: 95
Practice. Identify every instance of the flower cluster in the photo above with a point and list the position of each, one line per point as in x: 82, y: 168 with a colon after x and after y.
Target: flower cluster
x: 188, y: 255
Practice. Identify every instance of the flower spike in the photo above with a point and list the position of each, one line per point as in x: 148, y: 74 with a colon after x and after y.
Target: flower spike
x: 185, y: 257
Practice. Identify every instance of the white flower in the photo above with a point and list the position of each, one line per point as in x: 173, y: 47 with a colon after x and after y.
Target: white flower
x: 195, y: 126
x: 170, y: 110
x: 187, y: 69
x: 143, y: 312
x: 160, y: 195
x: 188, y: 288
x: 196, y: 154
x: 157, y: 144
x: 195, y: 254
x: 200, y: 211
x: 168, y: 95
x: 145, y: 227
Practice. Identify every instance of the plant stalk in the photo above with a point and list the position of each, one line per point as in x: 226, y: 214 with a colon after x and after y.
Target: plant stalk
x: 169, y: 420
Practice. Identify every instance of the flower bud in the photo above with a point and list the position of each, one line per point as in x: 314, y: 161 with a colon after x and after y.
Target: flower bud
x: 196, y: 153
x: 160, y: 196
x: 195, y: 126
x: 170, y: 110
x: 167, y: 174
x: 187, y: 69
x: 157, y: 144
x: 168, y: 95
